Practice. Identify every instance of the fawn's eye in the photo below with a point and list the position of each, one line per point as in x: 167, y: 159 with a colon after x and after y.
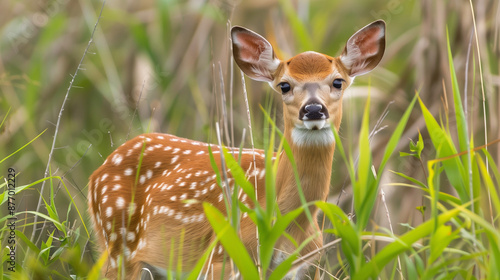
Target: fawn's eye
x: 285, y: 87
x: 337, y: 83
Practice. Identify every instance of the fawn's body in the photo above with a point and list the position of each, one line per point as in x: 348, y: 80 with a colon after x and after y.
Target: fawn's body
x: 145, y: 198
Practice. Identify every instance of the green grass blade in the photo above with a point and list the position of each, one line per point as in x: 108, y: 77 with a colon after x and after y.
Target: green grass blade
x: 345, y: 229
x: 271, y: 204
x: 396, y: 136
x: 364, y: 182
x: 28, y: 242
x: 283, y: 268
x: 195, y: 273
x: 488, y: 181
x: 231, y: 242
x: 457, y: 101
x: 413, y: 180
x: 36, y: 137
x: 268, y: 241
x: 5, y: 117
x: 299, y: 29
x: 340, y: 149
x: 391, y: 251
x: 239, y: 175
x: 95, y: 271
x: 3, y: 196
x: 444, y: 147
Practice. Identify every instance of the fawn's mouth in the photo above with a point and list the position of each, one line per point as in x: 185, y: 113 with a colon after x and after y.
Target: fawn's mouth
x: 316, y: 124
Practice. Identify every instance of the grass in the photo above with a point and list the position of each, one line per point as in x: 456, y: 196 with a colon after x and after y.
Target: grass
x: 162, y: 66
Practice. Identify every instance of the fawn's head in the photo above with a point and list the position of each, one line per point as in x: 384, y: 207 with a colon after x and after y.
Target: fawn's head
x: 312, y: 84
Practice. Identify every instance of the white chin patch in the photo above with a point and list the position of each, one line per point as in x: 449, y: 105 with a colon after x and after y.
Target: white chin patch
x: 313, y: 137
x: 315, y: 124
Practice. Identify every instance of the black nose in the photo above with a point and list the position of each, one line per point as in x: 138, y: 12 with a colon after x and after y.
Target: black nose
x: 313, y: 111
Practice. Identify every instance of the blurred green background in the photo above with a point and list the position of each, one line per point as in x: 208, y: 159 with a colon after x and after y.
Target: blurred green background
x: 157, y: 65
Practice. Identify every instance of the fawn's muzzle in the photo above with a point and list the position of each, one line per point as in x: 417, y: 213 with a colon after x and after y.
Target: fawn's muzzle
x: 314, y: 115
x: 313, y: 111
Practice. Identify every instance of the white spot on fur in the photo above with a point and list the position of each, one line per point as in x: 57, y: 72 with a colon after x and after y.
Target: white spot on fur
x: 138, y: 145
x: 104, y: 177
x: 262, y: 174
x: 109, y: 211
x: 174, y: 159
x: 128, y: 172
x: 132, y: 206
x: 120, y: 202
x: 130, y: 236
x: 117, y: 159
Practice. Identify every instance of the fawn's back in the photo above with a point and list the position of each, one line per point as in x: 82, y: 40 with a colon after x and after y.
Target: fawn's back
x: 157, y: 176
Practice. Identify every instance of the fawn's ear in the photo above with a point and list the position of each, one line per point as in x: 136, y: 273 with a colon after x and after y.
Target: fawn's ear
x: 364, y: 49
x: 254, y: 54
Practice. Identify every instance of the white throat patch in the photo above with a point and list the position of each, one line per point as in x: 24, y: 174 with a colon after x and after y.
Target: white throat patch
x: 307, y: 137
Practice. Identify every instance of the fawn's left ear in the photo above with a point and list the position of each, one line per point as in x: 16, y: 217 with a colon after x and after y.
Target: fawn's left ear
x: 364, y: 49
x: 254, y: 54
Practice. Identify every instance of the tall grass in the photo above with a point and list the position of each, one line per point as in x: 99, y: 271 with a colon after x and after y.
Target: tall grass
x: 152, y: 62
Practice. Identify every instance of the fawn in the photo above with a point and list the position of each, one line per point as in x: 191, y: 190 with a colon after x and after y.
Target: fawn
x: 138, y: 198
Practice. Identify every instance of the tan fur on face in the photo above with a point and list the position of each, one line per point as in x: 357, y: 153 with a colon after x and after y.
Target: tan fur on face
x: 309, y: 66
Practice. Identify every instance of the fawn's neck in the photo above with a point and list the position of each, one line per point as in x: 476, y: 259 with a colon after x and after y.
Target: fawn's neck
x: 314, y: 165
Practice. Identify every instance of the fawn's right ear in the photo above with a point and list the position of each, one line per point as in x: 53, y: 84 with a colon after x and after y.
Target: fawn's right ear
x: 254, y: 54
x: 364, y: 49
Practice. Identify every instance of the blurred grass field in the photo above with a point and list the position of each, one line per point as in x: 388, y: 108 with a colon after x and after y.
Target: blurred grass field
x: 157, y: 66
